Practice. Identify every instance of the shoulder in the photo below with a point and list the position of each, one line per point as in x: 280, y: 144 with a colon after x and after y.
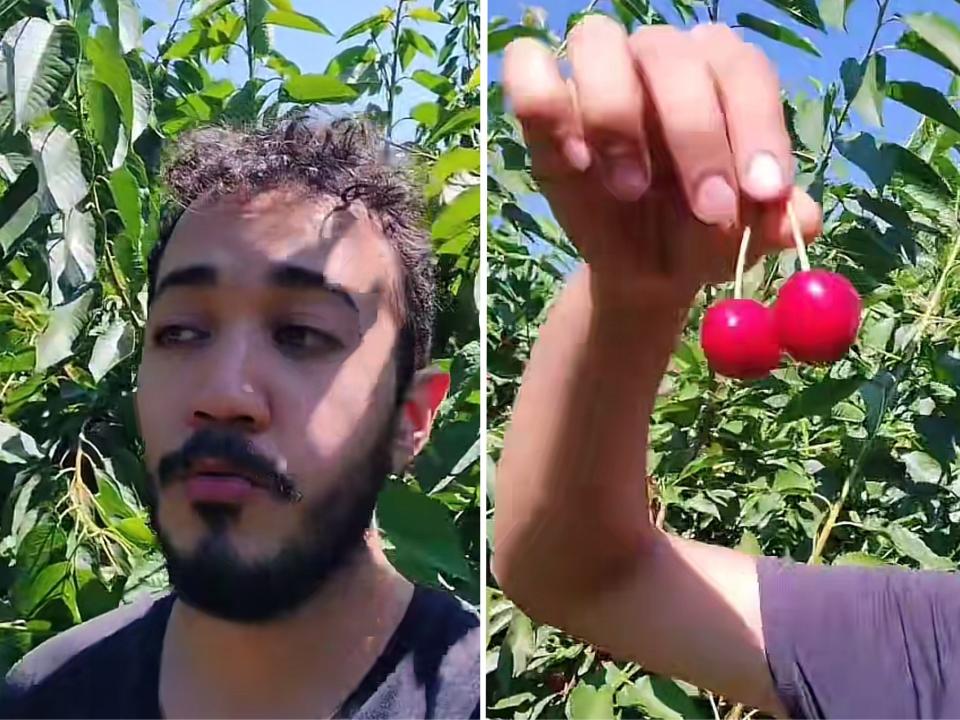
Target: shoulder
x: 75, y: 655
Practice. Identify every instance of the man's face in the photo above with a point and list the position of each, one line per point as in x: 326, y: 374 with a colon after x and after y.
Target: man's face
x: 273, y: 322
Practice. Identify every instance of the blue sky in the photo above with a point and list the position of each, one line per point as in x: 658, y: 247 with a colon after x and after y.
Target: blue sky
x: 310, y: 51
x: 795, y: 66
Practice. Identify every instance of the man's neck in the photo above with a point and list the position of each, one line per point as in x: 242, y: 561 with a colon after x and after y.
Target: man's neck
x: 304, y: 665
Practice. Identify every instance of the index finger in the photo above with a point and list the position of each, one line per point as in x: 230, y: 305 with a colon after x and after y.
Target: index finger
x: 543, y: 105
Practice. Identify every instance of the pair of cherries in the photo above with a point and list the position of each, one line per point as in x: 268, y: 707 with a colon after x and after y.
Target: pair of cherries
x: 815, y: 319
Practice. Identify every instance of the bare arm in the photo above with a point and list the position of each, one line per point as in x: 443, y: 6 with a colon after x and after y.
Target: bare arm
x: 574, y: 545
x: 573, y: 535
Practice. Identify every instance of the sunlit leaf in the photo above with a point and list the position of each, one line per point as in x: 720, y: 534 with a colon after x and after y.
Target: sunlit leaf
x: 317, y: 88
x: 942, y: 34
x: 40, y: 59
x: 66, y: 321
x: 296, y: 20
x: 778, y: 32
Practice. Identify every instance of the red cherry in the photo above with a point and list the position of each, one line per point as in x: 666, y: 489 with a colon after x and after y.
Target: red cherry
x: 817, y: 315
x: 740, y: 339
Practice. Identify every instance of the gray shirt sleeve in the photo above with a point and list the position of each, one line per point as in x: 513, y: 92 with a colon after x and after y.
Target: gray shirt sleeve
x: 850, y: 642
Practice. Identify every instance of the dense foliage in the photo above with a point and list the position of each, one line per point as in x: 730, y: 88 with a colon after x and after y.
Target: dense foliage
x: 85, y: 108
x: 851, y: 464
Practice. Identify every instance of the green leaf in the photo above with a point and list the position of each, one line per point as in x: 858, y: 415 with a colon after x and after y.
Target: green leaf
x: 16, y: 155
x: 939, y: 33
x: 21, y: 219
x: 925, y: 100
x: 819, y: 399
x: 136, y: 531
x: 94, y: 598
x: 117, y: 343
x: 72, y: 257
x: 521, y: 641
x: 56, y: 342
x: 909, y: 543
x: 420, y: 42
x: 297, y: 21
x: 437, y: 84
x: 49, y: 583
x: 659, y: 698
x: 913, y: 42
x: 255, y: 16
x: 426, y: 15
x: 587, y: 702
x: 922, y: 468
x: 125, y: 20
x: 104, y: 113
x: 497, y: 40
x: 344, y: 64
x: 859, y: 559
x: 317, y: 88
x: 40, y: 60
x: 44, y: 544
x: 465, y: 120
x: 375, y: 24
x: 421, y: 530
x: 866, y: 86
x: 457, y: 160
x: 453, y: 217
x: 834, y: 12
x: 803, y: 11
x: 749, y: 544
x: 185, y: 46
x: 126, y: 196
x: 61, y: 170
x: 426, y: 113
x: 110, y: 69
x: 16, y: 447
x: 778, y: 32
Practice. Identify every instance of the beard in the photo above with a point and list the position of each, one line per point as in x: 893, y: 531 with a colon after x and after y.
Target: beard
x: 214, y: 579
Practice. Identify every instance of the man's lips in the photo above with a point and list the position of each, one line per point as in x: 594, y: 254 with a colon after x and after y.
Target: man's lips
x: 210, y: 481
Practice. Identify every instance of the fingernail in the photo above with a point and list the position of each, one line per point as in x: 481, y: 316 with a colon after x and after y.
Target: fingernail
x: 716, y: 202
x: 764, y: 177
x: 577, y: 153
x: 624, y: 175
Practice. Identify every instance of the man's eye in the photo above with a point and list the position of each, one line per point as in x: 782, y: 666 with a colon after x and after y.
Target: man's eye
x: 178, y: 335
x: 305, y: 339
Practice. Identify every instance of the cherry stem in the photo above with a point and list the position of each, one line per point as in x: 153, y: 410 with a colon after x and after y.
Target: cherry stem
x: 798, y: 238
x: 741, y: 261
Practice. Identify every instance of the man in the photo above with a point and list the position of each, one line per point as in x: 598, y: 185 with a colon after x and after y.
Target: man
x: 284, y: 376
x: 654, y: 157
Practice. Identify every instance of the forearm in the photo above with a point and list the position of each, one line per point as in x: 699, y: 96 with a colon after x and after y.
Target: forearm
x: 571, y: 497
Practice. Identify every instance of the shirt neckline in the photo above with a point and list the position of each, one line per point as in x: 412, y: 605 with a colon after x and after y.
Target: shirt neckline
x: 393, y: 651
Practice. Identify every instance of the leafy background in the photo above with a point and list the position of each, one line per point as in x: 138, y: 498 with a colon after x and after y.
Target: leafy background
x: 89, y: 93
x: 851, y: 464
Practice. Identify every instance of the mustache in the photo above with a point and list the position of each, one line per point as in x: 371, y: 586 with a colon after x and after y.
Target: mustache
x: 233, y: 448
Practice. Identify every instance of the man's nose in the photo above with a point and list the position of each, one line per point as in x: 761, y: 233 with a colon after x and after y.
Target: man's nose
x: 230, y: 392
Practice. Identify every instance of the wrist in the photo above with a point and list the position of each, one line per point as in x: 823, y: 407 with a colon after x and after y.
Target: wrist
x: 652, y: 299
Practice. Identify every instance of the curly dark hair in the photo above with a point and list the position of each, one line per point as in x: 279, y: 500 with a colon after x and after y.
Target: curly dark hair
x: 344, y: 160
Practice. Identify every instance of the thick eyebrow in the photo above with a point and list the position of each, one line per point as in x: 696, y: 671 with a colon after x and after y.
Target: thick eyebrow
x: 295, y: 277
x: 190, y: 276
x: 283, y: 275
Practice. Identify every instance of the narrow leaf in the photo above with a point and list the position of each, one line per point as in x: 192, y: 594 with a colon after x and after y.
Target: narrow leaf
x: 297, y: 21
x: 925, y: 100
x: 819, y: 399
x: 778, y: 32
x: 110, y: 69
x: 803, y: 11
x: 126, y: 196
x: 940, y: 33
x: 125, y: 21
x: 426, y: 15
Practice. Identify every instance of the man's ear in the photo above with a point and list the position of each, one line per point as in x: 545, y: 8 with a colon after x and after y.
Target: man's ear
x: 427, y: 391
